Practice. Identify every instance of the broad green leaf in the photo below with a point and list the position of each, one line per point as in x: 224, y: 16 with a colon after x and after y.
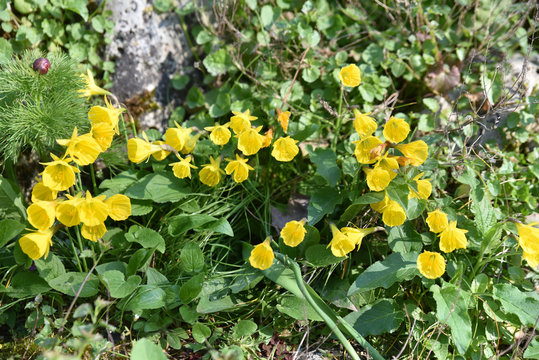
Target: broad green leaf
x: 121, y: 181
x: 432, y: 104
x: 195, y: 97
x: 144, y: 349
x: 383, y: 316
x: 70, y: 283
x: 397, y: 68
x: 322, y: 202
x: 146, y: 297
x: 218, y: 62
x: 522, y: 304
x: 192, y: 258
x: 485, y: 215
x: 221, y: 106
x: 396, y: 267
x: 404, y: 239
x: 9, y: 228
x: 148, y: 238
x: 452, y: 309
x: 50, y: 268
x: 350, y: 213
x: 298, y: 308
x: 415, y: 208
x: 118, y: 287
x: 266, y: 15
x: 180, y: 224
x: 244, y: 328
x: 373, y: 54
x: 138, y: 260
x: 77, y: 6
x: 174, y: 338
x: 370, y: 198
x: 310, y: 74
x: 221, y: 226
x: 398, y: 193
x: 207, y: 305
x: 191, y: 288
x: 319, y: 255
x: 6, y: 50
x: 200, y: 332
x: 11, y: 205
x: 493, y: 87
x: 154, y: 277
x: 162, y: 5
x: 179, y: 82
x: 326, y: 164
x: 25, y: 284
x: 532, y: 351
x: 158, y: 187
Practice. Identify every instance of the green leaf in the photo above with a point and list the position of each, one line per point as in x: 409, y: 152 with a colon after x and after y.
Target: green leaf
x: 398, y: 68
x: 266, y: 15
x: 367, y: 92
x: 138, y: 260
x: 162, y: 5
x: 179, y: 82
x: 298, y: 308
x: 221, y: 226
x: 532, y: 351
x: 310, y: 74
x: 9, y: 228
x: 485, y: 215
x: 432, y: 104
x: 373, y: 54
x: 218, y: 62
x: 118, y: 287
x: 396, y: 267
x: 148, y: 238
x: 370, y: 198
x: 221, y: 106
x: 514, y: 301
x: 77, y: 6
x: 192, y: 258
x: 70, y: 283
x: 146, y: 297
x: 11, y: 205
x: 350, y: 213
x: 98, y: 23
x: 50, y: 268
x: 180, y: 224
x: 326, y: 164
x: 158, y: 187
x: 191, y: 288
x: 322, y: 202
x: 200, y: 332
x: 207, y: 306
x: 244, y: 328
x: 415, y: 208
x: 319, y: 255
x: 452, y: 309
x: 174, y: 338
x: 145, y: 349
x: 121, y: 181
x: 195, y: 98
x: 383, y: 316
x: 26, y: 284
x: 398, y: 193
x: 404, y: 239
x: 6, y: 51
x: 493, y: 88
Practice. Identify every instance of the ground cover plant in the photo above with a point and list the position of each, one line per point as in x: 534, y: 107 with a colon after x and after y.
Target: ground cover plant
x: 355, y: 179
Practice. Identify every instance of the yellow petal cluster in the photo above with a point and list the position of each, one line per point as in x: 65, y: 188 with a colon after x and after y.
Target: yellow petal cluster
x: 36, y: 244
x: 452, y: 238
x: 431, y: 264
x: 262, y: 255
x: 424, y: 188
x: 393, y: 214
x: 182, y: 168
x: 58, y: 174
x: 239, y: 168
x: 294, y: 232
x: 42, y: 193
x: 139, y: 150
x: 396, y: 130
x: 177, y: 137
x: 219, y: 134
x: 67, y: 212
x: 364, y: 124
x: 437, y: 221
x: 108, y: 115
x: 250, y: 141
x: 211, y: 173
x: 91, y: 87
x: 282, y: 118
x: 285, y: 149
x: 528, y: 240
x: 350, y: 76
x: 42, y: 214
x: 103, y: 133
x: 241, y: 121
x: 340, y: 244
x: 378, y: 178
x: 83, y: 149
x: 364, y: 150
x: 416, y: 152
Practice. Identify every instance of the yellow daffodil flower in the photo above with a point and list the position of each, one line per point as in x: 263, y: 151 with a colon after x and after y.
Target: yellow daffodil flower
x: 211, y: 173
x: 393, y: 214
x: 350, y: 76
x: 239, y: 167
x: 119, y: 207
x: 364, y: 150
x: 241, y: 121
x: 42, y: 214
x: 67, y: 212
x: 93, y: 211
x: 424, y: 188
x: 356, y: 235
x: 262, y: 255
x: 83, y: 149
x: 108, y: 115
x: 396, y: 130
x: 340, y: 244
x: 42, y: 193
x: 267, y: 138
x: 103, y: 133
x: 431, y: 264
x: 378, y: 178
x: 250, y: 141
x: 364, y: 124
x: 389, y: 164
x: 282, y: 118
x: 294, y: 232
x: 36, y: 244
x: 528, y: 240
x: 381, y: 205
x: 91, y: 87
x: 190, y: 144
x: 452, y: 238
x: 162, y: 154
x: 285, y: 149
x: 177, y: 137
x: 58, y: 174
x: 182, y: 168
x: 139, y: 150
x: 219, y: 134
x: 93, y: 233
x: 416, y: 151
x: 437, y: 221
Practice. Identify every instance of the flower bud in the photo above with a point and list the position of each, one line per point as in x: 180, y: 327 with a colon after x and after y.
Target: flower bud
x: 42, y: 66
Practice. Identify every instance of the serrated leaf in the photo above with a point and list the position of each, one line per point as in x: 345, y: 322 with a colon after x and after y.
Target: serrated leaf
x: 378, y: 318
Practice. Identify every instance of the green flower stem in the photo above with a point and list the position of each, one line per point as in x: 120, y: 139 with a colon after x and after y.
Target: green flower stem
x: 78, y: 184
x: 327, y: 319
x: 73, y: 247
x: 339, y: 122
x: 92, y: 175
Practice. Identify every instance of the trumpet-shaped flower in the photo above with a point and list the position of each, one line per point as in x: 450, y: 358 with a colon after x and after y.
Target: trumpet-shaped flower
x: 364, y: 124
x: 396, y: 130
x: 41, y: 214
x: 119, y: 207
x: 293, y: 232
x: 162, y: 154
x: 416, y: 152
x: 262, y: 255
x: 452, y: 238
x: 219, y: 134
x: 93, y: 233
x: 364, y: 150
x: 393, y: 214
x: 211, y: 173
x: 177, y: 137
x: 437, y: 221
x: 267, y: 138
x: 42, y: 193
x: 108, y: 115
x: 239, y: 167
x: 241, y: 121
x: 285, y: 149
x: 83, y: 149
x: 36, y: 244
x: 282, y: 118
x: 340, y: 243
x: 67, y: 212
x: 93, y: 211
x: 381, y: 205
x: 431, y: 264
x: 182, y: 168
x: 190, y: 144
x: 350, y: 76
x: 528, y: 240
x: 250, y: 141
x: 356, y: 235
x: 139, y: 150
x: 389, y: 164
x: 103, y: 133
x: 424, y: 188
x: 378, y: 178
x: 91, y: 87
x: 58, y: 174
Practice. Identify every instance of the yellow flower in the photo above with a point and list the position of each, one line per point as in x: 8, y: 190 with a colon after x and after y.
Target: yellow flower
x: 262, y: 255
x: 282, y: 118
x: 58, y: 174
x: 162, y: 154
x: 416, y: 151
x: 42, y: 193
x: 211, y: 173
x: 82, y: 149
x: 364, y: 124
x: 377, y: 179
x: 103, y: 133
x: 190, y: 144
x: 108, y: 115
x: 36, y: 244
x: 119, y: 207
x: 424, y: 188
x: 139, y: 150
x: 220, y: 135
x: 91, y: 87
x: 393, y: 214
x: 431, y: 264
x: 380, y: 206
x: 67, y: 212
x: 241, y: 121
x: 267, y: 138
x: 437, y: 221
x: 356, y: 235
x: 239, y: 167
x: 41, y: 214
x: 528, y: 240
x: 388, y: 164
x: 340, y: 243
x: 250, y: 141
x: 93, y: 233
x: 350, y: 76
x: 93, y: 211
x: 177, y: 137
x: 453, y: 238
x: 285, y: 149
x: 396, y: 130
x: 364, y: 150
x: 294, y: 232
x: 182, y: 168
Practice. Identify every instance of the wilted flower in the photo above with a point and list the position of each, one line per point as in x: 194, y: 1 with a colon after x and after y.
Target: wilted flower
x: 282, y: 118
x: 431, y: 264
x: 396, y: 130
x: 239, y: 167
x: 293, y: 232
x: 453, y: 238
x: 262, y: 255
x: 350, y: 76
x: 211, y: 173
x: 241, y: 121
x: 285, y: 149
x: 267, y: 138
x: 58, y: 174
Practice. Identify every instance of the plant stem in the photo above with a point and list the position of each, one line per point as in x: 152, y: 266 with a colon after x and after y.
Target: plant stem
x: 74, y: 249
x: 92, y: 175
x: 339, y: 122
